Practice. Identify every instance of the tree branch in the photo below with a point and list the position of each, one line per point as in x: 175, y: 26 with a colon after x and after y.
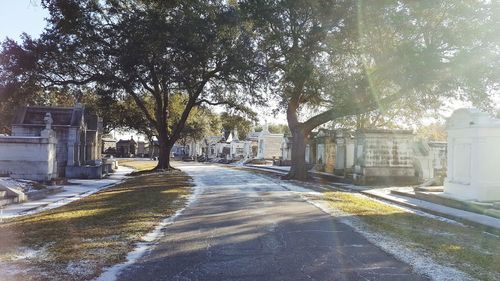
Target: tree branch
x: 199, y: 102
x: 335, y: 113
x: 142, y: 106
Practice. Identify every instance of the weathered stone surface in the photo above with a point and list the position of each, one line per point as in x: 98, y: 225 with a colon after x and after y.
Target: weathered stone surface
x: 78, y: 134
x: 384, y: 157
x: 326, y: 150
x: 269, y: 145
x: 344, y: 156
x: 31, y: 158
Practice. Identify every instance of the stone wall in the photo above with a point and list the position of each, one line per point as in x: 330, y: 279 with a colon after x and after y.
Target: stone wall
x: 31, y: 158
x: 384, y: 157
x: 85, y: 172
x: 61, y: 134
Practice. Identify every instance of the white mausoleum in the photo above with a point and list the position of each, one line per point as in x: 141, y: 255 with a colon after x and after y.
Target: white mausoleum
x: 269, y: 145
x: 473, y: 156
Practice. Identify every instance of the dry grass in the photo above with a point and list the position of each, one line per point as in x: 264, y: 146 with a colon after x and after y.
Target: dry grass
x: 76, y: 241
x: 471, y: 249
x: 139, y: 165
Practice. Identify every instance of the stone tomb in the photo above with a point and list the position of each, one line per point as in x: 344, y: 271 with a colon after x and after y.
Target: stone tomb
x: 430, y: 160
x: 30, y: 157
x: 384, y: 157
x: 193, y: 149
x: 473, y: 156
x: 108, y: 146
x: 209, y: 146
x: 141, y: 149
x: 153, y: 149
x: 251, y: 144
x: 126, y: 148
x: 286, y: 150
x: 269, y: 145
x: 237, y: 151
x: 325, y: 151
x: 344, y: 160
x: 78, y: 135
x: 223, y: 147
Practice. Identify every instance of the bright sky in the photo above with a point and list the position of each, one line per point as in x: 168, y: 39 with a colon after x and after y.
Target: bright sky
x: 18, y: 16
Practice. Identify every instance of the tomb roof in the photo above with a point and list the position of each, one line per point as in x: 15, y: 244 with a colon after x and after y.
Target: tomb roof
x: 62, y: 116
x: 469, y: 118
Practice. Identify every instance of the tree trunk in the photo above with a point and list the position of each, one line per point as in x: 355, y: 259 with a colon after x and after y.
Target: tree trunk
x: 164, y: 153
x: 163, y: 157
x: 298, y: 169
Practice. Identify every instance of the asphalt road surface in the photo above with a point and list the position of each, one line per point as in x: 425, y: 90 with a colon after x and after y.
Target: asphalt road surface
x: 243, y: 226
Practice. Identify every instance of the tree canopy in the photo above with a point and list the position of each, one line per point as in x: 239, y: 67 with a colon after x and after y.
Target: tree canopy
x: 334, y: 59
x: 148, y: 52
x: 360, y: 63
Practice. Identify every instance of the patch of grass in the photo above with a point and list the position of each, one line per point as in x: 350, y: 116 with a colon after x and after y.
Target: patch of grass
x: 471, y: 249
x: 139, y: 165
x: 76, y: 241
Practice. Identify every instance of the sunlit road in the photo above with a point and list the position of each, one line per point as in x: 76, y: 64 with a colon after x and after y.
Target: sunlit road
x: 245, y: 227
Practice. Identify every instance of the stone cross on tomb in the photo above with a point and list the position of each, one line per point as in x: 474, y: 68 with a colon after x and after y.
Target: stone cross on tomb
x: 48, y: 121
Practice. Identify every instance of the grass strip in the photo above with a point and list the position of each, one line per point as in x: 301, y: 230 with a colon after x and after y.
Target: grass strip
x: 76, y: 241
x: 139, y: 165
x: 471, y: 249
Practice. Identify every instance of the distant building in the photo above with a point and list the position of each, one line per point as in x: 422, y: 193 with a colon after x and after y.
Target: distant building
x: 108, y: 146
x: 141, y: 149
x: 209, y: 146
x: 126, y: 148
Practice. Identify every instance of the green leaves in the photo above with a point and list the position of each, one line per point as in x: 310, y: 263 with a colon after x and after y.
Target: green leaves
x: 344, y: 58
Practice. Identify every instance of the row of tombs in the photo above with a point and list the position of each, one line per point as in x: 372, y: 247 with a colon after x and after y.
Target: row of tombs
x: 55, y: 142
x: 373, y: 156
x: 467, y: 164
x: 47, y: 143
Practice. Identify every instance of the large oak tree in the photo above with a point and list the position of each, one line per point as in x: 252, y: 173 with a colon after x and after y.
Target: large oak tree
x: 148, y: 51
x: 333, y: 59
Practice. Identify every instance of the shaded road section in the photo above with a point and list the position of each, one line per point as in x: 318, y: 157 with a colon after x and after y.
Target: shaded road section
x: 243, y: 226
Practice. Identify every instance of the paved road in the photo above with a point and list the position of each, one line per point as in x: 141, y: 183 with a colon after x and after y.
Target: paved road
x: 246, y: 227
